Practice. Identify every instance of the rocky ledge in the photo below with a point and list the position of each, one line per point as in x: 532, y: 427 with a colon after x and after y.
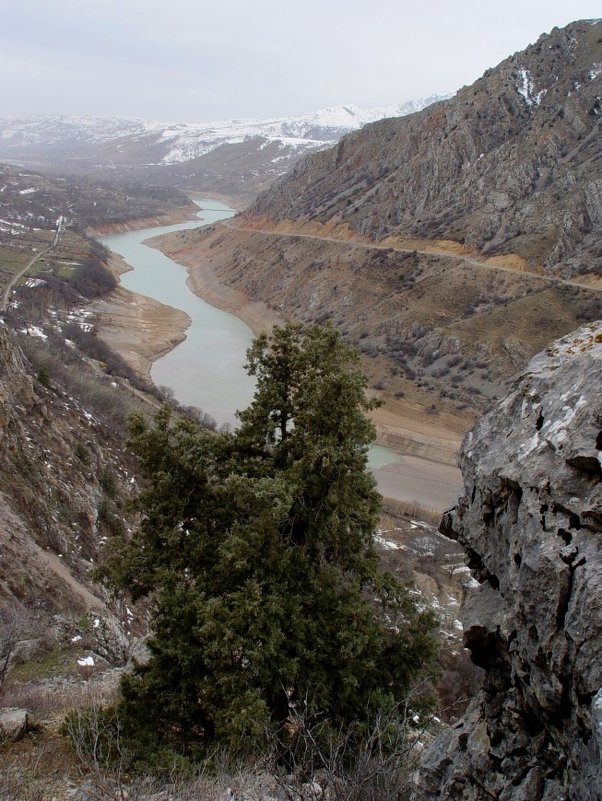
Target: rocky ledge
x: 531, y: 524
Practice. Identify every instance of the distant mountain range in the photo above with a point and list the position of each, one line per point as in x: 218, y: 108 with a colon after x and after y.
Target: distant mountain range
x: 233, y: 157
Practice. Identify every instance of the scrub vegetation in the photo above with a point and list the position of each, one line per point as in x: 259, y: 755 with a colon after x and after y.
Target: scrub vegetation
x: 271, y: 618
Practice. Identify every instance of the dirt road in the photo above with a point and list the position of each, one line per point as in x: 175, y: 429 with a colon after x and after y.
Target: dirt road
x: 489, y: 263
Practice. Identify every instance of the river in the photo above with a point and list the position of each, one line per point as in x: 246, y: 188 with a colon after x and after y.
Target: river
x: 206, y: 369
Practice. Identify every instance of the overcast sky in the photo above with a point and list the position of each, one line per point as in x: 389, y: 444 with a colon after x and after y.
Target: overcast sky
x: 196, y: 61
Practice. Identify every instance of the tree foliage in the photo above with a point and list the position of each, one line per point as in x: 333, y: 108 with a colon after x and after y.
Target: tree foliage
x: 257, y: 549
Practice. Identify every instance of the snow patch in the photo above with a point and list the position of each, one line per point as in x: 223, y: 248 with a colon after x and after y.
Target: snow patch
x: 34, y: 331
x: 526, y: 89
x: 389, y: 544
x: 595, y: 71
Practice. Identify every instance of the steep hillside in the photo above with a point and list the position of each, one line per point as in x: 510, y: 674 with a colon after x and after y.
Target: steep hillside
x: 232, y: 158
x: 450, y: 245
x: 511, y: 164
x: 63, y: 471
x: 64, y: 396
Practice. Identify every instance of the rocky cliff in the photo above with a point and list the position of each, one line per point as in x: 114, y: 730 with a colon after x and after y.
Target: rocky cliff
x: 530, y: 521
x: 511, y: 164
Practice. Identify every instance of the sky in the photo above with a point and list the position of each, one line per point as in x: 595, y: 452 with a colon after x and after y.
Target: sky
x: 185, y: 61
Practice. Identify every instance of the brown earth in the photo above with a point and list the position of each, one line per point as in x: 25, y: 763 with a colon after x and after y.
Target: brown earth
x: 138, y: 328
x: 409, y: 426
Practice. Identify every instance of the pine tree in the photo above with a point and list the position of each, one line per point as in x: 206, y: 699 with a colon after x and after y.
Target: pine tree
x: 257, y: 549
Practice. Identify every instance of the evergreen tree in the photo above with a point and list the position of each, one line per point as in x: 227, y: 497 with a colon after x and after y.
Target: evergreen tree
x: 257, y: 550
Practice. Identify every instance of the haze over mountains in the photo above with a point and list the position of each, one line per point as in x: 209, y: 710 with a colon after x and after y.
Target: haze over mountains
x: 454, y: 243
x: 236, y: 157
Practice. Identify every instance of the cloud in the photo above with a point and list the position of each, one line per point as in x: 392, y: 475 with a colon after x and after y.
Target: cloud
x: 187, y: 60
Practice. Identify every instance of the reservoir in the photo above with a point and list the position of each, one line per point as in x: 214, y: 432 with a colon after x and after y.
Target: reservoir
x: 206, y: 370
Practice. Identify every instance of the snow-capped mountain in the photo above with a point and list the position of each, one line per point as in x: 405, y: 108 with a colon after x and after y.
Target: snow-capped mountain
x: 186, y: 141
x: 235, y: 156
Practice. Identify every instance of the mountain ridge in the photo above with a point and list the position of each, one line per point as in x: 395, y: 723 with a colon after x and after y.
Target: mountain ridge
x: 437, y: 174
x: 325, y: 125
x: 233, y: 158
x: 502, y: 173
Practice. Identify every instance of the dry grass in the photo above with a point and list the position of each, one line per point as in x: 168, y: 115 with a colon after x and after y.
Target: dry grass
x: 413, y: 509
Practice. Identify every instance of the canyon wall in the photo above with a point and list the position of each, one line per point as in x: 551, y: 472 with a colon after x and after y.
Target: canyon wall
x: 530, y: 521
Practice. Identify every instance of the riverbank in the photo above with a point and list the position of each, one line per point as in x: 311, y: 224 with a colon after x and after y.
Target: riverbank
x: 138, y: 328
x: 143, y: 330
x: 204, y: 283
x: 405, y: 426
x: 182, y: 214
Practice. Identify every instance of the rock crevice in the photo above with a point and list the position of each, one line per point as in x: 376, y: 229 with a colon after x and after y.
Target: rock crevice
x: 531, y: 523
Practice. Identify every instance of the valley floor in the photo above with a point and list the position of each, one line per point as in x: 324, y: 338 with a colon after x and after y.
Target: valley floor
x: 141, y: 330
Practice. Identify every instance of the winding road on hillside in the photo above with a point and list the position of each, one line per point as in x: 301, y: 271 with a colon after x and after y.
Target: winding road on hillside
x: 427, y: 251
x: 60, y: 230
x: 18, y: 276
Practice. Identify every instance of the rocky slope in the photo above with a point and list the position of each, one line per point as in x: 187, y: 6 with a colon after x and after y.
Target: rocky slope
x: 511, y: 164
x: 64, y: 471
x: 233, y: 158
x: 530, y: 521
x: 450, y: 245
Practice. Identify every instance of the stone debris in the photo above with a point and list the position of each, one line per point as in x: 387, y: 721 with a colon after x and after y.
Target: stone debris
x: 14, y: 724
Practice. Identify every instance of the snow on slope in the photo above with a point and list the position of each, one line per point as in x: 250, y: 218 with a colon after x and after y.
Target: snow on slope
x: 181, y: 142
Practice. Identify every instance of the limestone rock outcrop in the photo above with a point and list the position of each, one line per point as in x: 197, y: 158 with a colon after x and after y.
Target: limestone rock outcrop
x: 13, y: 724
x: 530, y: 521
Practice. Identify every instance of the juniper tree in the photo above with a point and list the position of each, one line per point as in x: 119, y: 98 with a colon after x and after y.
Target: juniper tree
x: 257, y: 549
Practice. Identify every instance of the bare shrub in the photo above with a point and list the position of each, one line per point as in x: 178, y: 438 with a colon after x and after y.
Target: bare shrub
x: 48, y: 698
x: 96, y: 736
x: 17, y: 625
x: 311, y: 761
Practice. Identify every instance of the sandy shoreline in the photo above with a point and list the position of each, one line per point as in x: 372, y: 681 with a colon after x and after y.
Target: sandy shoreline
x: 142, y: 330
x: 138, y: 328
x: 402, y: 426
x: 204, y: 283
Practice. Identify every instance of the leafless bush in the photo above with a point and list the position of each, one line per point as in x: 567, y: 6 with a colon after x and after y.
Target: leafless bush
x: 348, y: 764
x: 9, y: 638
x: 17, y: 625
x: 27, y: 782
x: 105, y: 763
x: 96, y: 736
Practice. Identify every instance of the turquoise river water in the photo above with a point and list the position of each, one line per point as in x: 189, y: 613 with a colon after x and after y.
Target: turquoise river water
x: 206, y: 369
